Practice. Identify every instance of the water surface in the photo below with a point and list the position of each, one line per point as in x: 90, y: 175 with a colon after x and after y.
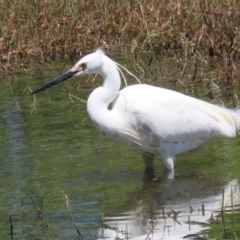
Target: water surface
x: 50, y: 149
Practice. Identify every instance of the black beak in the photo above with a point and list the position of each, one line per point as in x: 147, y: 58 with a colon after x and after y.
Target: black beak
x: 56, y: 80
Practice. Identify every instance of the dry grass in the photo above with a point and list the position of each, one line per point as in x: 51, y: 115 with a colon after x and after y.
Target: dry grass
x: 51, y: 29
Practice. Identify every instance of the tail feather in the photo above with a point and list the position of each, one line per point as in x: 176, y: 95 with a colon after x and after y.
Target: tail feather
x: 228, y: 120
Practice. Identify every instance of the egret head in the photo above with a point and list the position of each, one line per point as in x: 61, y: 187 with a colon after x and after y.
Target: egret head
x: 91, y: 63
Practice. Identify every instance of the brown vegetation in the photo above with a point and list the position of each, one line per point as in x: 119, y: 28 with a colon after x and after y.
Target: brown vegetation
x: 51, y: 29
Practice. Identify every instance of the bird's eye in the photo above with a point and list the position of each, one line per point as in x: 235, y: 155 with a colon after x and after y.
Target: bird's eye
x: 83, y: 66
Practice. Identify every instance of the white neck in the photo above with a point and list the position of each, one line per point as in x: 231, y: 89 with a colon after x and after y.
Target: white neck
x: 101, y: 97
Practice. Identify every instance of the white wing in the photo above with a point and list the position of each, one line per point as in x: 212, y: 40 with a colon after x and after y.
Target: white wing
x: 172, y: 116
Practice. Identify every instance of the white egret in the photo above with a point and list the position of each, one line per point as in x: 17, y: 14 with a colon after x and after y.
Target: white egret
x: 155, y: 120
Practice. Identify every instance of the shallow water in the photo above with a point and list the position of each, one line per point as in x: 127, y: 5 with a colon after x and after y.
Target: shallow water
x: 50, y: 149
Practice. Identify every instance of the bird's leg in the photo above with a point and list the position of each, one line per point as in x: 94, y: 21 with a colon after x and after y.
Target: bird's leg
x: 168, y: 174
x: 169, y: 165
x: 167, y: 161
x: 148, y: 159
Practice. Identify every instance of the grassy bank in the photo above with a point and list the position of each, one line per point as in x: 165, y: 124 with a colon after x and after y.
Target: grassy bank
x: 61, y: 29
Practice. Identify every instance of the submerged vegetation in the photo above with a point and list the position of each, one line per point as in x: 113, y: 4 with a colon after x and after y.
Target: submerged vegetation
x: 51, y: 29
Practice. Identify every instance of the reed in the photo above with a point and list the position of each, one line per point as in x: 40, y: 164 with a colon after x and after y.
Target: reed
x: 48, y: 30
